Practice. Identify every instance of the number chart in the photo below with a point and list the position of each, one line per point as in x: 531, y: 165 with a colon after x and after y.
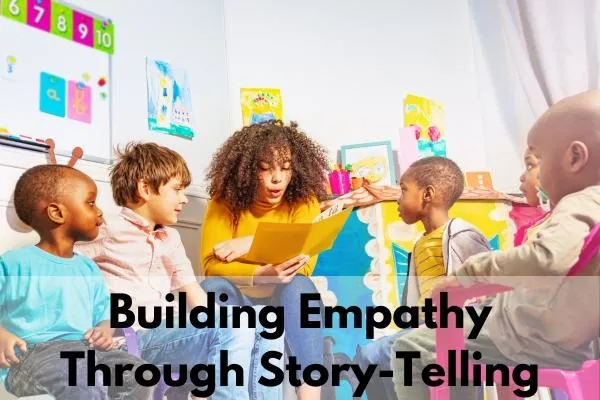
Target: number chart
x: 55, y: 64
x: 62, y: 20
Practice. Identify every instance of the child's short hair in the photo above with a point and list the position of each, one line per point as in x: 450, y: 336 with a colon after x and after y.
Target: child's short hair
x: 441, y: 173
x: 38, y: 185
x: 149, y: 162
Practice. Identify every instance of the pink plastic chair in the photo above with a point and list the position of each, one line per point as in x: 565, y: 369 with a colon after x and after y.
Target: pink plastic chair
x: 582, y: 384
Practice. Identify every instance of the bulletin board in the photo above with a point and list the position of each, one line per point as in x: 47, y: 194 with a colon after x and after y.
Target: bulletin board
x: 55, y: 75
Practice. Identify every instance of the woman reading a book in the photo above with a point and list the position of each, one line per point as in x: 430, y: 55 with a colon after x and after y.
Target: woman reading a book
x: 267, y: 172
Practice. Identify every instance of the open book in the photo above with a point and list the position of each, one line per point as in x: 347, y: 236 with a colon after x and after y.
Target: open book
x: 275, y: 243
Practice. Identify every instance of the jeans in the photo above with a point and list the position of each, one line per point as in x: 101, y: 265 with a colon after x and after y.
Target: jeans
x: 379, y: 353
x: 192, y: 346
x: 42, y: 371
x: 306, y: 344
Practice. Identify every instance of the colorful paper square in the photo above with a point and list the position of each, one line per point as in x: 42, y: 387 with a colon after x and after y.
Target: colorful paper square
x: 260, y: 104
x: 15, y: 10
x: 38, y: 14
x: 408, y: 152
x: 104, y: 36
x: 52, y: 94
x: 479, y: 179
x: 80, y: 102
x: 83, y: 29
x: 428, y: 116
x: 61, y: 21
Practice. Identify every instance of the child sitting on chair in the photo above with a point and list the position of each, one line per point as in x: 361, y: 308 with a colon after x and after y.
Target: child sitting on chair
x: 53, y: 300
x: 142, y: 255
x: 548, y: 320
x: 430, y: 187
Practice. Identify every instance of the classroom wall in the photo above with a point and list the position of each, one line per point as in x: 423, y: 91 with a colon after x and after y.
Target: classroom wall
x: 344, y: 66
x: 188, y: 33
x: 506, y: 114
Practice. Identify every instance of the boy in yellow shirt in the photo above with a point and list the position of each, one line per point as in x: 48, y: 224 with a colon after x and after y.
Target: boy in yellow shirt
x: 430, y: 187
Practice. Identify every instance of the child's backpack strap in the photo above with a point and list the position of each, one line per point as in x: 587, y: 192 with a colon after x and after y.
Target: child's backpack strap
x: 591, y: 247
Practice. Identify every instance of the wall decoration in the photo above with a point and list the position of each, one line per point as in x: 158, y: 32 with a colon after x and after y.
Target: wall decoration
x: 260, y: 104
x: 427, y: 116
x: 373, y: 161
x: 169, y: 99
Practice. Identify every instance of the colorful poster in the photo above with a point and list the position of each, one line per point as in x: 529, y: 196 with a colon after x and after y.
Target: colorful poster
x: 428, y: 118
x: 169, y: 99
x: 259, y: 105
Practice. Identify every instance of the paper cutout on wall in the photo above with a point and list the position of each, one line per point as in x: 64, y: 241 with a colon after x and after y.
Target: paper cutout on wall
x: 8, y: 68
x: 260, y: 104
x: 80, y: 102
x: 428, y: 116
x: 495, y: 243
x: 408, y: 152
x: 169, y: 99
x: 52, y: 94
x: 478, y: 179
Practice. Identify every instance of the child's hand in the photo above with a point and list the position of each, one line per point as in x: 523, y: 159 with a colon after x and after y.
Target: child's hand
x: 8, y: 341
x: 233, y: 249
x: 100, y: 337
x: 474, y: 300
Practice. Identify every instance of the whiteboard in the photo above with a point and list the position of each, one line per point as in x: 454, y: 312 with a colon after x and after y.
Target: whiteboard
x: 55, y: 87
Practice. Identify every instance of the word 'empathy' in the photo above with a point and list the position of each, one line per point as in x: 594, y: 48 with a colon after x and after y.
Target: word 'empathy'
x: 312, y: 315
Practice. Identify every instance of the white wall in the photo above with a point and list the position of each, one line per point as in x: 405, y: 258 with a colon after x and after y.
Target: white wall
x: 188, y: 33
x: 506, y: 114
x: 344, y: 66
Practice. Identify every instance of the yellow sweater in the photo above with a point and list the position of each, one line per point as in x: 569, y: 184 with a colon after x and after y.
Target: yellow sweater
x: 217, y: 228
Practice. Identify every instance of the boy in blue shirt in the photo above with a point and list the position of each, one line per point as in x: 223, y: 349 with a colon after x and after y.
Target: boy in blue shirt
x: 53, y: 300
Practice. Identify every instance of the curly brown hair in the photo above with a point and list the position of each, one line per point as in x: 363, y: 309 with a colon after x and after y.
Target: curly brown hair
x: 234, y: 169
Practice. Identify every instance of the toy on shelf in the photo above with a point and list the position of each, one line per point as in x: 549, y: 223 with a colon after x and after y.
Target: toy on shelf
x: 339, y: 179
x: 358, y: 182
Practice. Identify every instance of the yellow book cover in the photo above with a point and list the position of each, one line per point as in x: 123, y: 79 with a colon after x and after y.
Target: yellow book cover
x: 275, y: 243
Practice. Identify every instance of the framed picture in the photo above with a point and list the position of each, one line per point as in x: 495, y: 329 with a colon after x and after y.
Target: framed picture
x: 373, y: 161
